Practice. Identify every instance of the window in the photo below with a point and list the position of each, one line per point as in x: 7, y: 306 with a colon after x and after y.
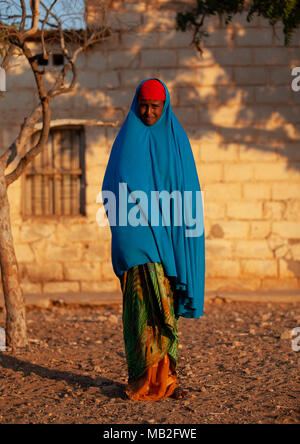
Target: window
x: 54, y: 182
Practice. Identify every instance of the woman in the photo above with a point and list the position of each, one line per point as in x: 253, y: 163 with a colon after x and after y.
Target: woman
x: 161, y: 266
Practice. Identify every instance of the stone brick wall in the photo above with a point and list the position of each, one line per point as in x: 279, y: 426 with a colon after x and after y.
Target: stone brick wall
x: 242, y: 117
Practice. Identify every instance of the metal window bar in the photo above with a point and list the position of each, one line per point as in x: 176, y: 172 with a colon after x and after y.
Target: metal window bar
x: 55, y: 179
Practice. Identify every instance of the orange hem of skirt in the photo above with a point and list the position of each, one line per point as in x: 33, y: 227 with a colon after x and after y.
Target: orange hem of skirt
x: 158, y: 381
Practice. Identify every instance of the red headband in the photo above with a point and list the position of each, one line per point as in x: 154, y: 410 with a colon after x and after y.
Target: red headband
x: 152, y: 90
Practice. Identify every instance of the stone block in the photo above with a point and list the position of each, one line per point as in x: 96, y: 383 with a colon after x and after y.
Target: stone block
x: 277, y: 94
x: 53, y: 252
x: 133, y: 77
x: 30, y: 287
x: 232, y: 229
x: 231, y: 96
x: 96, y: 251
x: 257, y: 152
x: 279, y: 170
x: 36, y: 232
x: 270, y: 56
x: 178, y: 77
x: 109, y: 80
x: 210, y: 172
x: 76, y: 233
x: 158, y: 58
x: 222, y: 192
x: 223, y: 116
x: 291, y: 151
x: 289, y: 268
x: 285, y: 190
x: 232, y: 56
x: 159, y: 20
x: 118, y: 98
x: 123, y: 59
x: 214, y: 210
x: 186, y: 115
x: 259, y: 268
x: 244, y: 210
x: 254, y: 37
x: 232, y: 284
x: 280, y: 75
x: 20, y: 99
x: 273, y: 210
x: 137, y: 41
x: 275, y: 284
x: 218, y: 248
x: 250, y: 75
x: 234, y: 172
x: 205, y: 136
x: 260, y: 229
x: 253, y: 249
x: 292, y: 210
x: 43, y: 272
x: 196, y: 96
x: 215, y: 76
x: 107, y: 272
x: 173, y: 39
x: 295, y: 251
x: 88, y: 79
x: 287, y: 229
x: 24, y: 253
x: 20, y: 77
x: 61, y: 287
x: 257, y: 191
x: 96, y: 61
x: 191, y: 58
x: 222, y: 268
x: 104, y: 286
x: 81, y: 271
x: 218, y: 152
x: 218, y: 38
x: 120, y: 20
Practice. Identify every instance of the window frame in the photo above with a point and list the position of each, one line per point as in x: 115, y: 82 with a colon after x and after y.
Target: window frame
x: 57, y: 173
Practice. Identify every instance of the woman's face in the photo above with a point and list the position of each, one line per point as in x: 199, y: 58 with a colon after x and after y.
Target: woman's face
x: 150, y: 110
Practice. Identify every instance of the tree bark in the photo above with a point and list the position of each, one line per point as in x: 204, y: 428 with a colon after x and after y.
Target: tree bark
x: 16, y: 335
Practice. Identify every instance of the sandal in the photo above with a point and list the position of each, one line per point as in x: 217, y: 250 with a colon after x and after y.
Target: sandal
x: 179, y: 393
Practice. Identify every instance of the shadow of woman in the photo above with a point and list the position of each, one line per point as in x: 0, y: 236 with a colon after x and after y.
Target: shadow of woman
x: 108, y: 387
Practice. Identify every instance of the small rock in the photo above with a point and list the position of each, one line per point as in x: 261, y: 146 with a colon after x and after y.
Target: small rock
x: 266, y: 316
x: 113, y: 319
x: 219, y: 300
x: 97, y: 369
x: 287, y: 334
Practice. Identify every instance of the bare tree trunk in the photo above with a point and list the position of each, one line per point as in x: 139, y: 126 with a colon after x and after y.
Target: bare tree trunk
x: 13, y: 295
x: 16, y: 335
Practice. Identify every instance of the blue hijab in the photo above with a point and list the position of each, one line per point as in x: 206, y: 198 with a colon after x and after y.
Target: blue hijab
x: 156, y: 158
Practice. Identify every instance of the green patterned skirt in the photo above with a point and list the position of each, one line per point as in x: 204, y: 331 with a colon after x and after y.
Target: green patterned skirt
x: 150, y: 326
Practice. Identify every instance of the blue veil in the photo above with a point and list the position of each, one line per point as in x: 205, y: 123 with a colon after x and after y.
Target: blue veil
x: 144, y: 160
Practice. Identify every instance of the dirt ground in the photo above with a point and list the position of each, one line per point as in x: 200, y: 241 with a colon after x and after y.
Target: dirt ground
x: 236, y: 362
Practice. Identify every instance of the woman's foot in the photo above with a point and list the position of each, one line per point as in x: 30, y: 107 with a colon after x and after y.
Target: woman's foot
x: 179, y: 393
